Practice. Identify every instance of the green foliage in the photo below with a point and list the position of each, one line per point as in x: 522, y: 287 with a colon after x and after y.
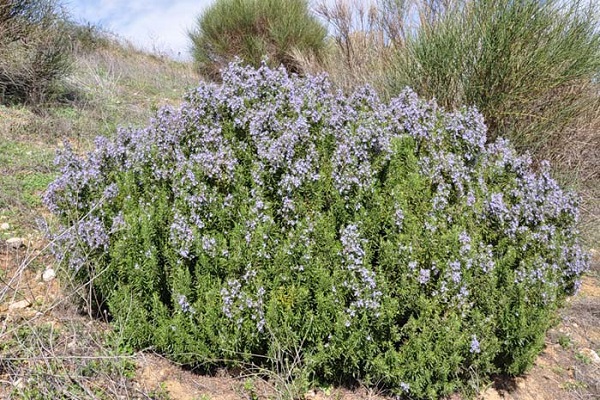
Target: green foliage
x: 583, y: 358
x: 270, y: 222
x: 35, y: 51
x: 529, y: 66
x: 253, y: 29
x: 24, y: 174
x: 565, y: 341
x: 89, y: 37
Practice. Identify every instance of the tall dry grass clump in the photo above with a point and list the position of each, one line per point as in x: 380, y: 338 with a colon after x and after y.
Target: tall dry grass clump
x: 356, y: 52
x: 252, y: 30
x: 359, y: 49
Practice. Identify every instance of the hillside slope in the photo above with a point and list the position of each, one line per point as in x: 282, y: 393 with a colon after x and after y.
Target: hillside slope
x: 49, y: 350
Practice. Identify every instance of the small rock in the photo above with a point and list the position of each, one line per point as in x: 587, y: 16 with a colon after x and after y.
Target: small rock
x: 591, y: 354
x: 4, y: 226
x: 48, y: 275
x: 594, y: 253
x: 15, y: 242
x: 19, y: 305
x: 575, y: 325
x: 311, y: 394
x: 19, y: 384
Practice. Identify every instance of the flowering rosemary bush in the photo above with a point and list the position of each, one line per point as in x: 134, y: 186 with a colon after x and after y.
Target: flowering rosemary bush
x: 269, y: 219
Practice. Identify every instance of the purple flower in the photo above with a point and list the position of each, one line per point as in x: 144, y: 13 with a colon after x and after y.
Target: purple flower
x: 497, y: 207
x: 399, y: 217
x: 424, y: 275
x: 475, y: 349
x: 405, y: 386
x: 92, y: 232
x: 185, y: 306
x: 412, y: 265
x: 182, y: 235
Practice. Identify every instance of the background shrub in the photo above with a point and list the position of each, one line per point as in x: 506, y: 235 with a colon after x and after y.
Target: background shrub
x: 529, y: 66
x: 270, y: 221
x: 253, y: 29
x: 87, y: 38
x: 34, y: 50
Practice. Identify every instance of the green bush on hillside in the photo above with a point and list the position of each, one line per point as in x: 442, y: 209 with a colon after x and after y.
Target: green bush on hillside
x: 272, y: 222
x: 35, y: 51
x: 529, y: 66
x: 253, y: 29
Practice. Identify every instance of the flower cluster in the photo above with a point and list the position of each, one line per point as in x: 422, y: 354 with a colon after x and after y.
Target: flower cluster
x: 237, y: 302
x: 361, y: 280
x: 345, y: 224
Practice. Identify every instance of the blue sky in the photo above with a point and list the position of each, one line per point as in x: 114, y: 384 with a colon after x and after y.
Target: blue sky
x: 154, y: 25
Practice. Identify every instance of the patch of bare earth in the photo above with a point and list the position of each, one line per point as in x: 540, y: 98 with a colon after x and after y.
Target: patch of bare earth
x: 155, y: 371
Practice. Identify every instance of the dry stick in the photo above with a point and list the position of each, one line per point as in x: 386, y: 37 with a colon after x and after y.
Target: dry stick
x: 44, y: 358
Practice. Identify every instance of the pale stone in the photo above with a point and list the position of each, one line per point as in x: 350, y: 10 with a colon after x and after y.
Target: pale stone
x: 592, y: 355
x: 15, y: 242
x: 48, y: 275
x: 4, y: 226
x: 19, y: 305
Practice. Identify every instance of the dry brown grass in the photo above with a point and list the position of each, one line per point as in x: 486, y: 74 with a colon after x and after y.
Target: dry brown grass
x: 47, y: 349
x: 120, y: 85
x: 575, y: 156
x: 357, y: 52
x: 111, y: 85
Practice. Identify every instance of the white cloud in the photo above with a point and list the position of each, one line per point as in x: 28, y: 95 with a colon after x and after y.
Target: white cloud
x: 153, y: 25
